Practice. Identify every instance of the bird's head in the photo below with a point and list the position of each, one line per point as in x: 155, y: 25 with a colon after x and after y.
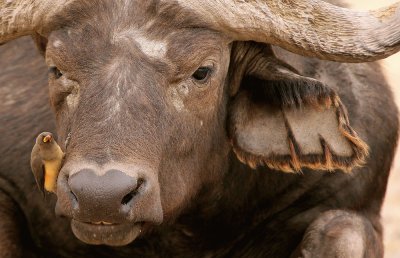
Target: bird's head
x: 47, y: 145
x: 44, y: 138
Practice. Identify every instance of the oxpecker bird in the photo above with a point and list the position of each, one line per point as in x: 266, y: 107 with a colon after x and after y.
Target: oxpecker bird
x: 46, y: 159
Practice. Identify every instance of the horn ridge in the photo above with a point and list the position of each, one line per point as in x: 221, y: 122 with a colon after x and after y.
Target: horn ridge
x: 306, y: 27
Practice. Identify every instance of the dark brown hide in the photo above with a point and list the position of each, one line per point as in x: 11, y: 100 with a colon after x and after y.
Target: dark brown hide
x: 137, y: 111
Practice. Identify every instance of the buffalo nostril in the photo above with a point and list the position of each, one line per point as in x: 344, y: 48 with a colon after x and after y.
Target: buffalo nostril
x: 128, y: 198
x: 74, y: 199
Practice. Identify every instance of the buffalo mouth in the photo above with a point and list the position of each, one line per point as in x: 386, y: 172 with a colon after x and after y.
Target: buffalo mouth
x: 106, y: 233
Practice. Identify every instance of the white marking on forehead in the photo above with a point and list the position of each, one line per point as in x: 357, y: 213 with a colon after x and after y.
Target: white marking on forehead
x: 151, y: 47
x: 57, y: 43
x: 113, y: 102
x: 114, y: 109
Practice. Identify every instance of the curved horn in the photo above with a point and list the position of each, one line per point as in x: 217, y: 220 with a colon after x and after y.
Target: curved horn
x: 23, y: 17
x: 307, y: 27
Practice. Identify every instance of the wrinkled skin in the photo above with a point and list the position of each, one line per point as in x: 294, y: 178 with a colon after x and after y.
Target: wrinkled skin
x: 144, y: 99
x: 148, y: 118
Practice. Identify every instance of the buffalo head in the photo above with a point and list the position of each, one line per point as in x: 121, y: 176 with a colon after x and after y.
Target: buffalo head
x: 151, y: 97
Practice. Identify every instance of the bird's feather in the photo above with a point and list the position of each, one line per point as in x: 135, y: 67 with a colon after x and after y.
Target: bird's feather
x: 37, y: 167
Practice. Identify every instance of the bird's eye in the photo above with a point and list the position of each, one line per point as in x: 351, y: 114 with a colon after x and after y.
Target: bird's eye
x: 57, y: 73
x: 202, y: 74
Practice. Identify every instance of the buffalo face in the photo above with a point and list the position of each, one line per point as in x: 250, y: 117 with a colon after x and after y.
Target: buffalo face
x: 141, y: 110
x: 151, y: 97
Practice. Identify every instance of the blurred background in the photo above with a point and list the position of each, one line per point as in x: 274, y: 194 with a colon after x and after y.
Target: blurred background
x: 391, y: 207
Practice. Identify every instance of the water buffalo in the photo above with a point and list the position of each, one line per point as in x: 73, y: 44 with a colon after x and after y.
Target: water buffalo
x: 196, y: 128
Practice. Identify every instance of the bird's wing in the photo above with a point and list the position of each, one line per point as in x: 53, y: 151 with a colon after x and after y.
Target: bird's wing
x: 37, y: 168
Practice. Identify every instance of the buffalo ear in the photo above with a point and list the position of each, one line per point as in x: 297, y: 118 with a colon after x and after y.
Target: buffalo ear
x: 288, y: 122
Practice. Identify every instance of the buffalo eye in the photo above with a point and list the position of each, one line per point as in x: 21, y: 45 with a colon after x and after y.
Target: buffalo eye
x: 57, y: 73
x: 202, y: 74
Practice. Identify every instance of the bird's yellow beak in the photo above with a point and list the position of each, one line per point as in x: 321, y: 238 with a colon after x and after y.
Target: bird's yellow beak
x: 47, y: 138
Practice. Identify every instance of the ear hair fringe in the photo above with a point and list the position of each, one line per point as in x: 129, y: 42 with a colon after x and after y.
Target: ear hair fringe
x: 292, y: 93
x: 328, y: 161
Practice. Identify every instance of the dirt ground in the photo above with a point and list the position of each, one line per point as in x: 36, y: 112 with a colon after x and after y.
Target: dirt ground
x: 391, y: 208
